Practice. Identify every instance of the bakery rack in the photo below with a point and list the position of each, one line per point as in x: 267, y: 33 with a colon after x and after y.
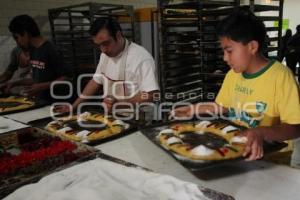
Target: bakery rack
x: 70, y: 30
x: 270, y: 13
x: 191, y: 66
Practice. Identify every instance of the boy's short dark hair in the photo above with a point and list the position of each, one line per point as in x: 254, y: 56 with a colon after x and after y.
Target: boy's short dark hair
x: 243, y: 26
x: 24, y: 23
x: 109, y: 23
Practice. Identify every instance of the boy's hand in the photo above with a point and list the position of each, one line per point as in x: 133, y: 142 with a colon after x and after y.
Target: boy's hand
x: 254, y: 146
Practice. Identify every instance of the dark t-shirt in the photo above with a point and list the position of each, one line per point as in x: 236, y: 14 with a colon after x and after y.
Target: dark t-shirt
x: 294, y: 44
x: 47, y: 65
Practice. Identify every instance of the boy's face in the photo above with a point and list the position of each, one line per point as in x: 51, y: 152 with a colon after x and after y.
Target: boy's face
x: 236, y: 54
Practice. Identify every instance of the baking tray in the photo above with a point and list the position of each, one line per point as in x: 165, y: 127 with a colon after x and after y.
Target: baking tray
x: 13, y: 139
x: 152, y: 131
x: 38, y: 104
x: 41, y: 123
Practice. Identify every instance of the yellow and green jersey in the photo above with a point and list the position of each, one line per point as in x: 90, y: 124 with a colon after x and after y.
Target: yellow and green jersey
x: 266, y: 98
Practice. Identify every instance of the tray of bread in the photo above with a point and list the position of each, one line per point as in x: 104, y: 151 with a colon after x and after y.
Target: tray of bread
x: 14, y: 103
x: 90, y: 127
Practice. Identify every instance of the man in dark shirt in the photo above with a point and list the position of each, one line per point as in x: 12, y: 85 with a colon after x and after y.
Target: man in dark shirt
x: 45, y: 60
x: 19, y: 61
x: 293, y: 54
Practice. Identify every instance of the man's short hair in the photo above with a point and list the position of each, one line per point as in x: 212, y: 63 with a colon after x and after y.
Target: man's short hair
x: 24, y: 23
x: 108, y: 23
x: 298, y: 28
x: 243, y: 26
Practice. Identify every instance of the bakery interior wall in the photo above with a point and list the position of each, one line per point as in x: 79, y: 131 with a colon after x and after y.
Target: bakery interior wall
x: 38, y: 9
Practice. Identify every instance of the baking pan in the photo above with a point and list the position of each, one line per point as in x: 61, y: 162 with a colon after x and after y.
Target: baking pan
x: 152, y: 132
x: 41, y: 123
x: 37, y: 104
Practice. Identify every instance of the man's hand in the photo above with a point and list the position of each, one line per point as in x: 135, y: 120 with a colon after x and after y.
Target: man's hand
x: 6, y: 88
x: 254, y: 146
x: 109, y: 102
x: 34, y: 89
x: 184, y: 111
x: 62, y: 109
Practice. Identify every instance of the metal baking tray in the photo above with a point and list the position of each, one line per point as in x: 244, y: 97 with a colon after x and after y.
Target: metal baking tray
x: 38, y: 104
x: 152, y: 132
x: 15, y: 139
x: 41, y: 123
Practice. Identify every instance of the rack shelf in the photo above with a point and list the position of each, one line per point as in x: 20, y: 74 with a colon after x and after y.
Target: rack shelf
x: 191, y: 59
x: 70, y: 29
x: 189, y: 49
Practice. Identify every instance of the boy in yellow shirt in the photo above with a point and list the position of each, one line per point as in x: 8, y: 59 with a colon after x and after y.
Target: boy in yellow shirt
x: 257, y: 92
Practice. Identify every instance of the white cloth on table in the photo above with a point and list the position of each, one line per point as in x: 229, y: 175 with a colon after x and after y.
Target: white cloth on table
x: 100, y: 179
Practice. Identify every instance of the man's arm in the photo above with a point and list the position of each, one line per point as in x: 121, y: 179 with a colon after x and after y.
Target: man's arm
x: 90, y: 89
x: 6, y: 76
x: 12, y: 66
x: 141, y: 97
x: 198, y: 109
x: 38, y: 87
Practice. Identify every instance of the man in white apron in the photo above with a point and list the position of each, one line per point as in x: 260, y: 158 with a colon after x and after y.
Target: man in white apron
x: 125, y: 70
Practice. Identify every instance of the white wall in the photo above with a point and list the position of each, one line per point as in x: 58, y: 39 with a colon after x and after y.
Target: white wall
x: 291, y: 12
x: 38, y: 10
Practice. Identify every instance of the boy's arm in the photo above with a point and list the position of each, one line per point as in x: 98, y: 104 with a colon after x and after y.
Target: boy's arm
x: 256, y: 136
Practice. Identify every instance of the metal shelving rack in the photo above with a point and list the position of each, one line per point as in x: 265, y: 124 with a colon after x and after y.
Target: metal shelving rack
x: 190, y: 58
x: 70, y: 30
x: 191, y: 67
x: 270, y: 12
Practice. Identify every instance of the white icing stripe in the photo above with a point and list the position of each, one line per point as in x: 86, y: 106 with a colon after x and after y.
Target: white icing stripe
x: 202, y: 150
x: 239, y: 139
x: 166, y: 131
x: 84, y: 116
x: 173, y: 140
x: 120, y: 122
x: 83, y: 133
x: 200, y: 132
x: 228, y: 129
x: 64, y: 130
x: 203, y: 124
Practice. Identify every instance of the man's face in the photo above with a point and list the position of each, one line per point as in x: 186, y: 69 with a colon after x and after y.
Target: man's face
x: 22, y: 40
x: 106, y: 43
